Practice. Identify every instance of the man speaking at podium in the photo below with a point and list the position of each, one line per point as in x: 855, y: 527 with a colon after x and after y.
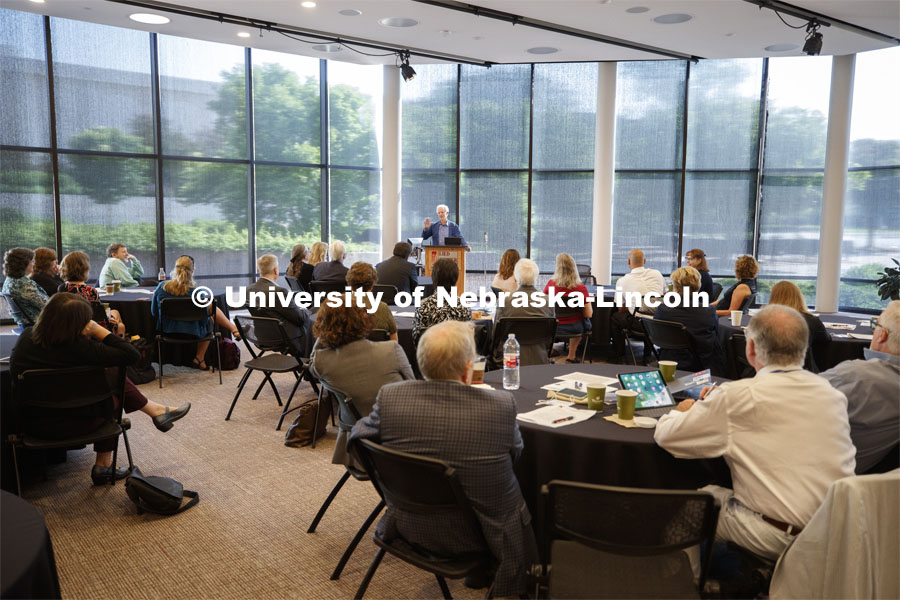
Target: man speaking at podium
x: 440, y: 230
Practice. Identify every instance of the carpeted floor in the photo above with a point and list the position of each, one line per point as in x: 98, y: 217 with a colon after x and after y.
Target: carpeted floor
x: 246, y: 538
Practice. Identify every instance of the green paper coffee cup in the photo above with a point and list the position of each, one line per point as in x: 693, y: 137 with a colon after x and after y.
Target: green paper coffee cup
x: 667, y: 368
x: 596, y: 395
x: 625, y: 400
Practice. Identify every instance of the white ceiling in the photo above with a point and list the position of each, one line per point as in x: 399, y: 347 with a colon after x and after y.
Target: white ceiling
x: 717, y: 29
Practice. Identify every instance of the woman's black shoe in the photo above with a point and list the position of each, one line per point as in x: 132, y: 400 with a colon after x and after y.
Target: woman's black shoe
x: 100, y: 475
x: 165, y: 421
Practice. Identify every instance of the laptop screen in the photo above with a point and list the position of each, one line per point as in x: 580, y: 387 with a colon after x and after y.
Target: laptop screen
x: 651, y: 389
x: 453, y: 241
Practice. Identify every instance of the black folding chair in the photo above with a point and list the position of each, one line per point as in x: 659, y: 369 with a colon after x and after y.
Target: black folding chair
x: 184, y: 309
x: 379, y: 335
x: 748, y: 303
x: 632, y: 333
x: 584, y: 271
x: 417, y: 484
x: 716, y: 292
x: 602, y: 541
x: 738, y: 365
x: 269, y: 335
x: 17, y: 314
x: 348, y: 415
x: 60, y: 395
x: 328, y: 286
x: 529, y: 331
x: 565, y: 311
x: 670, y: 335
x: 294, y: 284
x: 389, y: 291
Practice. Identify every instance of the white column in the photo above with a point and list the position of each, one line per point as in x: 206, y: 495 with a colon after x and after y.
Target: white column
x: 604, y: 173
x: 390, y: 176
x: 831, y: 230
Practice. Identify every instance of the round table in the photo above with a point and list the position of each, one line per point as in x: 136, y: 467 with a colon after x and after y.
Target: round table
x: 27, y: 565
x: 596, y: 450
x: 842, y: 347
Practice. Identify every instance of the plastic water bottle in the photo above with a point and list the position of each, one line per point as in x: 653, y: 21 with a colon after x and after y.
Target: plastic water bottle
x: 162, y: 274
x: 511, y: 363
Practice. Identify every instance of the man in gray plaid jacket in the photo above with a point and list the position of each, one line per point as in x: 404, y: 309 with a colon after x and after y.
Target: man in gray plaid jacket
x: 475, y: 431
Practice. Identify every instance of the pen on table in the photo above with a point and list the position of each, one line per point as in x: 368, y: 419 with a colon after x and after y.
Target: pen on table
x: 563, y: 420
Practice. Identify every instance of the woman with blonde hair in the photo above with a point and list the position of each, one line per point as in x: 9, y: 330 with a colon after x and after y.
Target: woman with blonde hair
x: 179, y: 286
x: 745, y: 269
x: 299, y: 268
x: 46, y: 270
x: 566, y: 280
x: 788, y: 294
x: 504, y: 279
x: 318, y: 253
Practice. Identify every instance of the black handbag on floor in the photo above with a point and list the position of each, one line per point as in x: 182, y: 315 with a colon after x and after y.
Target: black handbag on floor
x: 159, y: 495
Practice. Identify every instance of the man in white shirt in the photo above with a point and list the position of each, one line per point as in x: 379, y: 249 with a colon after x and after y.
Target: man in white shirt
x: 784, y: 434
x: 643, y: 281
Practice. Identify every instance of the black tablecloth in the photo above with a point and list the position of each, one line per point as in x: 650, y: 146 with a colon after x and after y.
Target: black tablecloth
x: 27, y: 566
x: 596, y: 450
x: 841, y: 348
x: 7, y: 474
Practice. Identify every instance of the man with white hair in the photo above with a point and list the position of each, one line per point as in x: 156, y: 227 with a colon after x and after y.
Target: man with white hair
x: 297, y: 321
x: 441, y: 229
x: 784, y: 434
x: 525, y: 273
x: 644, y: 281
x: 475, y: 431
x: 872, y: 387
x: 333, y: 270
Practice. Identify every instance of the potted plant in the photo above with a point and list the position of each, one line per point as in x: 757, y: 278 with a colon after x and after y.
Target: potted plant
x: 889, y: 284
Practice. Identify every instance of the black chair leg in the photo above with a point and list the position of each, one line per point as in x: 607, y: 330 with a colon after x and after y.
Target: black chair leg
x: 218, y: 357
x: 16, y: 467
x: 261, y: 385
x: 127, y: 450
x: 369, y: 574
x: 159, y: 357
x: 328, y: 501
x: 316, y: 422
x: 238, y: 393
x: 444, y: 589
x: 355, y: 541
x: 287, y: 405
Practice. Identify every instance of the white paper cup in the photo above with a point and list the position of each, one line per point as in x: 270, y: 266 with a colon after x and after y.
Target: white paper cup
x: 736, y: 316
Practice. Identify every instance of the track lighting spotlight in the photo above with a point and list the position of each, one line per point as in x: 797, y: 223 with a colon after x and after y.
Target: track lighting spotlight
x: 813, y: 43
x: 407, y: 71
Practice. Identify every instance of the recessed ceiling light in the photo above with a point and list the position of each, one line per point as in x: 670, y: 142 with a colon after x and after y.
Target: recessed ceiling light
x: 243, y: 34
x: 672, y: 19
x: 327, y: 47
x: 149, y: 19
x: 781, y: 47
x: 637, y: 9
x: 308, y: 4
x: 38, y: 1
x: 542, y: 50
x: 350, y: 12
x: 398, y: 22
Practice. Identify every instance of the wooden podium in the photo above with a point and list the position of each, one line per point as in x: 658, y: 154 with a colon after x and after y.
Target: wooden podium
x: 455, y: 253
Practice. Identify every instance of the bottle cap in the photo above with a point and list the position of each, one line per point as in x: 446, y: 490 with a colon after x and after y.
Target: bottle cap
x: 511, y: 336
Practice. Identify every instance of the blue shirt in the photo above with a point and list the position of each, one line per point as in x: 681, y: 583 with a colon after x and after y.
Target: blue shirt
x: 195, y: 328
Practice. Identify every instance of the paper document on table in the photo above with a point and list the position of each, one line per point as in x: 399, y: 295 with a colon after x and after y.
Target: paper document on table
x: 860, y: 336
x: 403, y: 314
x: 587, y: 378
x: 567, y: 383
x: 848, y: 326
x: 139, y: 291
x: 555, y: 416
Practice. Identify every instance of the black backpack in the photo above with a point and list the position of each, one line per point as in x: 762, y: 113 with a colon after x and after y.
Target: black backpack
x: 159, y: 495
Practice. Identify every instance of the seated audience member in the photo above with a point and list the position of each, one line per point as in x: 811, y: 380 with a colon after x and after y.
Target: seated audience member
x: 362, y: 276
x: 788, y: 294
x: 871, y: 387
x: 122, y: 266
x: 784, y: 434
x: 297, y: 321
x: 745, y: 269
x: 566, y: 281
x: 299, y: 268
x: 65, y: 336
x: 643, y: 281
x: 46, y: 270
x: 318, y: 253
x: 345, y: 359
x: 444, y: 273
x: 74, y: 270
x: 696, y: 258
x: 397, y: 270
x: 504, y: 279
x: 475, y: 431
x: 18, y: 264
x: 525, y: 274
x: 181, y: 285
x: 333, y: 270
x: 701, y: 322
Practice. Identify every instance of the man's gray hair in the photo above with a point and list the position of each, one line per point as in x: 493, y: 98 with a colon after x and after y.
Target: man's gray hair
x: 525, y: 272
x: 444, y: 206
x: 890, y: 319
x: 780, y: 335
x: 445, y: 349
x: 337, y: 250
x: 266, y: 263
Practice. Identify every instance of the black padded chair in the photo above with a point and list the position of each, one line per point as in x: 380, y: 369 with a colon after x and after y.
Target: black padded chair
x: 294, y: 284
x: 584, y: 271
x: 748, y: 303
x: 17, y: 314
x: 389, y: 291
x: 47, y: 395
x: 421, y: 485
x: 184, y: 309
x: 670, y: 335
x: 379, y: 335
x: 716, y: 292
x: 269, y: 335
x: 613, y: 542
x: 348, y: 415
x: 565, y: 311
x: 631, y: 333
x: 327, y: 286
x: 529, y: 331
x: 738, y: 365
